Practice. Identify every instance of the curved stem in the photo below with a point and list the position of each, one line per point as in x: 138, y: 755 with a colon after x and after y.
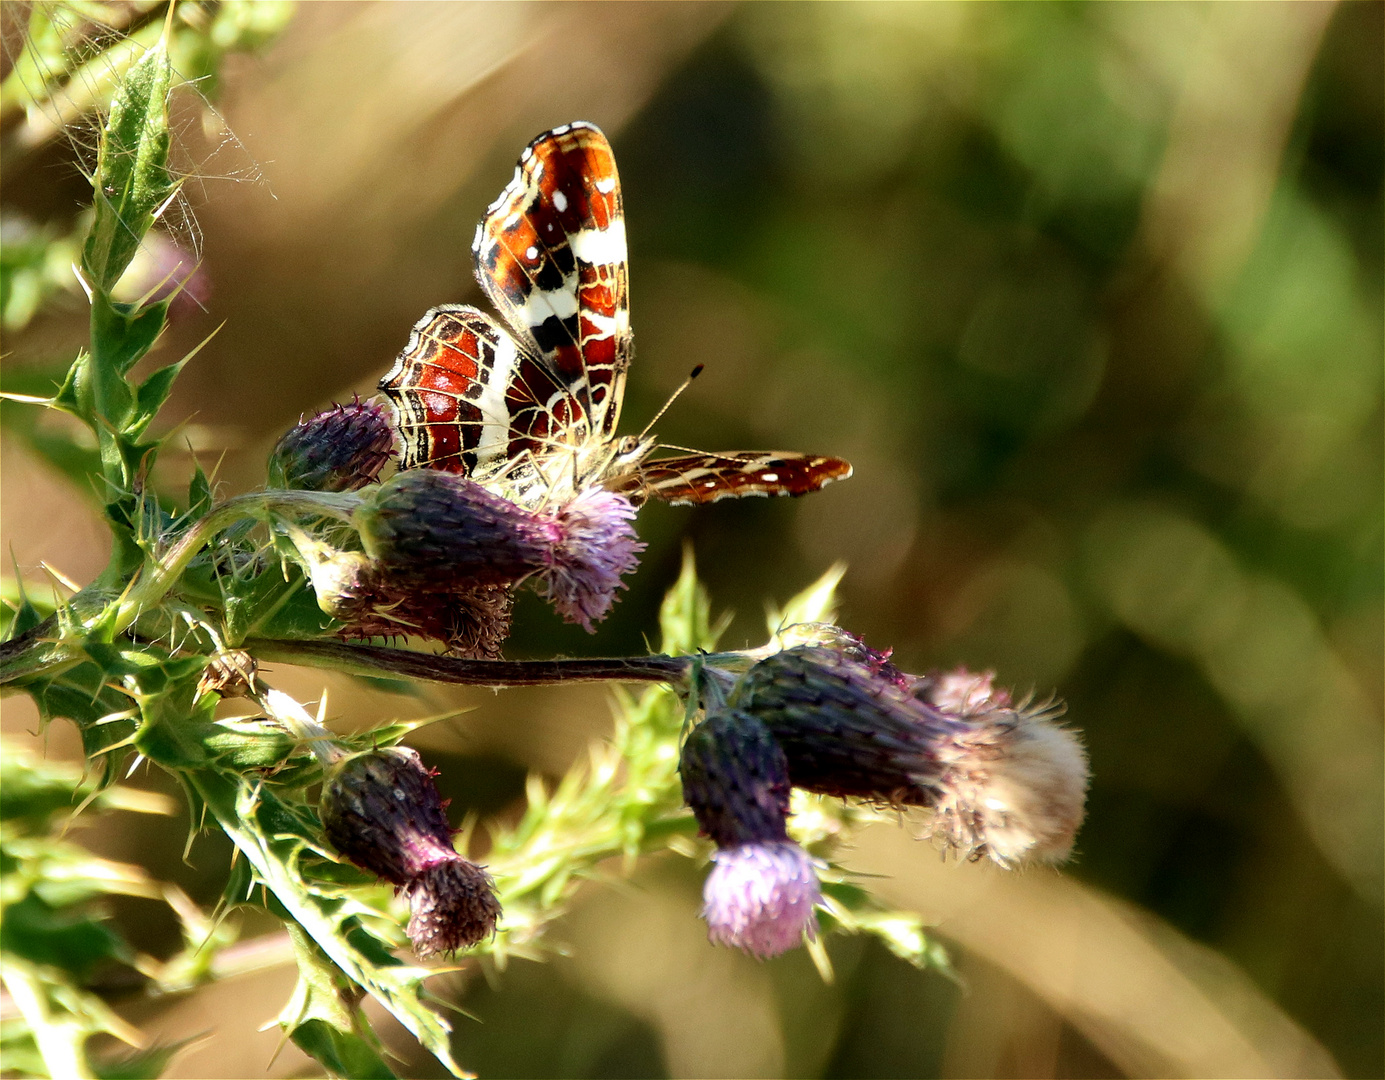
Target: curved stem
x: 377, y: 660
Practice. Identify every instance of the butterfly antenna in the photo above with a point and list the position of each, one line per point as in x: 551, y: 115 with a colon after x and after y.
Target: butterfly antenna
x: 671, y: 399
x: 737, y: 458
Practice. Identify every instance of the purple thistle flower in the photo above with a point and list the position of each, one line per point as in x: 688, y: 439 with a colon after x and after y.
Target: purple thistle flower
x: 594, y: 547
x: 760, y: 897
x: 1001, y: 782
x: 436, y: 531
x: 381, y: 810
x: 761, y: 893
x: 341, y: 449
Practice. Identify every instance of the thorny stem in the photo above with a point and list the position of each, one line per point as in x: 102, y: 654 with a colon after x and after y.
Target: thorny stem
x: 38, y: 651
x: 375, y: 660
x: 151, y: 589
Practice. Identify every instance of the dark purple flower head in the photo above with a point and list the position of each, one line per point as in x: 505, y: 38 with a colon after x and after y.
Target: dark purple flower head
x: 736, y: 780
x: 595, y: 545
x: 341, y: 449
x: 1003, y: 782
x: 760, y: 897
x: 381, y: 810
x: 427, y: 531
x: 436, y: 530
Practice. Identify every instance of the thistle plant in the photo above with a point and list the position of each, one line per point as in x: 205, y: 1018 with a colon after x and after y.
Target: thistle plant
x: 760, y: 762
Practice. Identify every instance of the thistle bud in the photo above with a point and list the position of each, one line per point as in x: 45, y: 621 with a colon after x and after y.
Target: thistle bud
x: 436, y: 530
x: 736, y: 780
x: 761, y: 893
x: 1002, y: 782
x: 381, y: 810
x: 342, y: 449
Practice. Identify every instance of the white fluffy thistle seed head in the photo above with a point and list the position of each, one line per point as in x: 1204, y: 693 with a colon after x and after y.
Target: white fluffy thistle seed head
x: 1014, y: 789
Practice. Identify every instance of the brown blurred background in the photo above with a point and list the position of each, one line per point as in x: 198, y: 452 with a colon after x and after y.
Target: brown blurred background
x: 1090, y: 296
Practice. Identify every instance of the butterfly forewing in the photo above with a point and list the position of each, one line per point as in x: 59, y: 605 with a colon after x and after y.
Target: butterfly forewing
x: 551, y: 255
x: 532, y: 409
x: 704, y: 478
x: 466, y: 398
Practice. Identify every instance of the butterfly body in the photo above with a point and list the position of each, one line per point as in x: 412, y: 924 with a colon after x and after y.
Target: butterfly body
x: 529, y: 407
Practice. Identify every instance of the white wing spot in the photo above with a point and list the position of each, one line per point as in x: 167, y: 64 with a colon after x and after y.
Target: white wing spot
x: 770, y: 477
x: 541, y: 305
x: 606, y: 186
x: 600, y: 246
x: 531, y: 253
x: 710, y: 484
x: 560, y: 201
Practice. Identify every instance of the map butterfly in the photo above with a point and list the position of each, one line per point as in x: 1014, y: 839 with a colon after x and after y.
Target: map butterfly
x: 530, y: 407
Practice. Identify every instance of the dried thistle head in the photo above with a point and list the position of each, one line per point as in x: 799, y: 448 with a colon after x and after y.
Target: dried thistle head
x: 1004, y: 782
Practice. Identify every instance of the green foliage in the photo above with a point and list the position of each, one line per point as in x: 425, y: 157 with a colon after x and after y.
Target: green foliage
x: 54, y: 935
x: 35, y: 263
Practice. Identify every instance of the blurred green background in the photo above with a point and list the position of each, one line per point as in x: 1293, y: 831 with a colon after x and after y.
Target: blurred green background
x: 1090, y: 294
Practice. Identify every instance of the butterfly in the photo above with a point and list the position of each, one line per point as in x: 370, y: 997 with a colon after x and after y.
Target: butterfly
x: 529, y: 407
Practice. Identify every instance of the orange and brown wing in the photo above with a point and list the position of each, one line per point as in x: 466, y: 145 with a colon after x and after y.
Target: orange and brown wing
x: 735, y: 474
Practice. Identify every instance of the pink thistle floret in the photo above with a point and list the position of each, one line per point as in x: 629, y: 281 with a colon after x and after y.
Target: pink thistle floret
x: 760, y: 897
x: 595, y: 546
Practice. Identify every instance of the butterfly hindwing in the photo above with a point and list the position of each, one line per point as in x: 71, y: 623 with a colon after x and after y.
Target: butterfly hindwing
x: 467, y: 399
x: 704, y: 478
x: 551, y: 255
